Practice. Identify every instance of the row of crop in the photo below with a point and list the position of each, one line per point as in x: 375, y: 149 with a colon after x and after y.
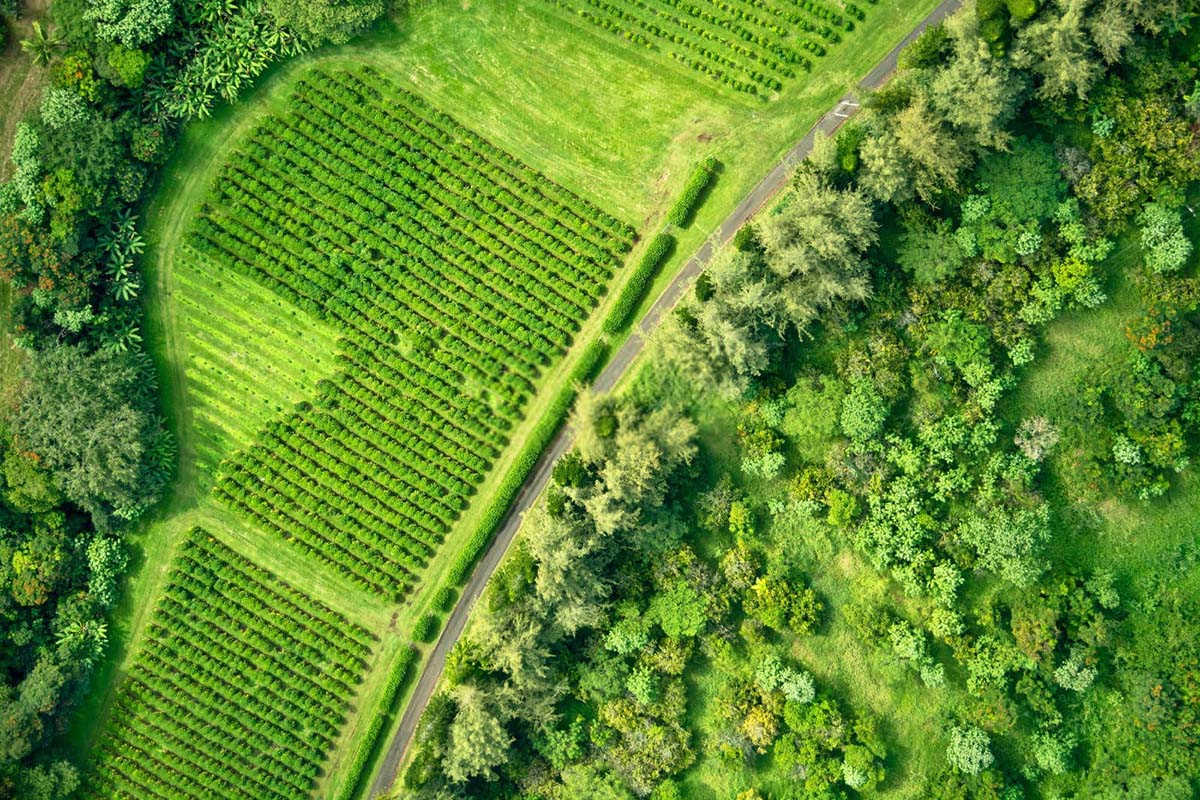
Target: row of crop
x: 352, y: 455
x: 211, y: 758
x: 303, y: 460
x: 295, y: 502
x: 797, y: 20
x: 396, y: 160
x: 345, y: 127
x: 317, y: 676
x: 359, y: 520
x: 441, y: 311
x: 317, y: 539
x: 238, y: 691
x: 362, y: 181
x: 209, y: 658
x: 767, y: 51
x: 220, y: 561
x: 241, y: 202
x: 457, y: 138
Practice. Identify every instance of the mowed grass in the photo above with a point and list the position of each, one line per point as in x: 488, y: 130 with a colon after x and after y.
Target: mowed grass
x: 618, y: 127
x: 250, y: 356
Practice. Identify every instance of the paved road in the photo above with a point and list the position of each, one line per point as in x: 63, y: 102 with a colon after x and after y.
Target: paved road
x: 775, y: 180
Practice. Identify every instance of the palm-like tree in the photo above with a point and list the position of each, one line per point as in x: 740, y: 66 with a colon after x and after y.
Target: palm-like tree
x: 40, y: 45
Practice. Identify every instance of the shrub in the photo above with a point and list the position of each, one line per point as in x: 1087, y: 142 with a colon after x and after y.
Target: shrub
x: 426, y: 628
x: 694, y: 192
x: 634, y: 290
x: 445, y: 597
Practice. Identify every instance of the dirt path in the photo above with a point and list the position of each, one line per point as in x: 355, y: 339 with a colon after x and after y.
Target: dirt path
x: 775, y: 180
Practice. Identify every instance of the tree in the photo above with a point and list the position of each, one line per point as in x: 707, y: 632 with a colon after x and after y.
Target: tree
x: 969, y: 750
x: 477, y: 740
x: 976, y: 91
x: 89, y: 420
x: 40, y: 45
x: 133, y: 23
x: 320, y: 21
x: 1165, y: 247
x: 863, y: 412
x: 1057, y: 48
x: 679, y: 610
x: 815, y: 246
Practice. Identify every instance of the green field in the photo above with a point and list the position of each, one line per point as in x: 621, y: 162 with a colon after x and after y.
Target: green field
x: 619, y: 128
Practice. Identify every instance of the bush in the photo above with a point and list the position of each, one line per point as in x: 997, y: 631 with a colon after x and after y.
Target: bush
x: 694, y: 192
x: 445, y: 597
x: 634, y: 290
x: 426, y: 628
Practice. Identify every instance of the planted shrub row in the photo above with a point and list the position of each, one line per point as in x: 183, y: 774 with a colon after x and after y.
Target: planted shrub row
x: 634, y: 290
x: 694, y: 192
x: 240, y: 690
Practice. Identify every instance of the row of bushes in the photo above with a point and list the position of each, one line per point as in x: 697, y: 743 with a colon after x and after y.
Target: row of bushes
x: 658, y: 251
x: 539, y: 438
x: 694, y: 192
x: 368, y: 741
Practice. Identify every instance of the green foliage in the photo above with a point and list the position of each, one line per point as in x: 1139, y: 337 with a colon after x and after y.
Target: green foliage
x: 694, y: 191
x: 928, y: 50
x: 198, y: 664
x: 930, y: 253
x: 89, y: 420
x: 863, y: 412
x: 320, y: 21
x: 369, y: 742
x: 128, y: 65
x: 634, y: 290
x: 969, y: 750
x: 1165, y: 247
x: 679, y: 610
x: 133, y: 23
x: 426, y: 628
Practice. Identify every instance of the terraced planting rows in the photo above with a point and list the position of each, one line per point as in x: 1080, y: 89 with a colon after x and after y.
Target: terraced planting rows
x: 238, y: 691
x: 751, y: 46
x: 454, y: 274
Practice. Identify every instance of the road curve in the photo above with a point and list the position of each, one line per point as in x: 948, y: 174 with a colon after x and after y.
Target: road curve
x: 775, y: 180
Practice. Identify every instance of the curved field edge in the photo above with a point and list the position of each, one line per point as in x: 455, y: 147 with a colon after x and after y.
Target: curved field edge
x: 731, y: 129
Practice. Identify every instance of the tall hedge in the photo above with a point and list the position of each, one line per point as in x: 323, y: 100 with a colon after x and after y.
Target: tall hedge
x: 694, y: 192
x: 659, y: 249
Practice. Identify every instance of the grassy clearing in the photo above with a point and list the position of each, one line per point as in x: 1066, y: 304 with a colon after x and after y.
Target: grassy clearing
x: 607, y: 123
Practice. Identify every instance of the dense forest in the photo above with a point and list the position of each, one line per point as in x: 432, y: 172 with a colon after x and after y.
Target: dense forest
x: 827, y: 464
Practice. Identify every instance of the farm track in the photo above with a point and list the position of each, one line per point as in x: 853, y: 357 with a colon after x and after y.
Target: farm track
x: 616, y: 369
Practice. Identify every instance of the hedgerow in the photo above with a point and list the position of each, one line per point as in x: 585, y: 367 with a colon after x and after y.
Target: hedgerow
x: 658, y: 251
x: 694, y: 192
x: 368, y: 742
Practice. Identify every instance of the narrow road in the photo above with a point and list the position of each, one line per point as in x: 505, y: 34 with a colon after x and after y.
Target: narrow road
x: 775, y: 180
